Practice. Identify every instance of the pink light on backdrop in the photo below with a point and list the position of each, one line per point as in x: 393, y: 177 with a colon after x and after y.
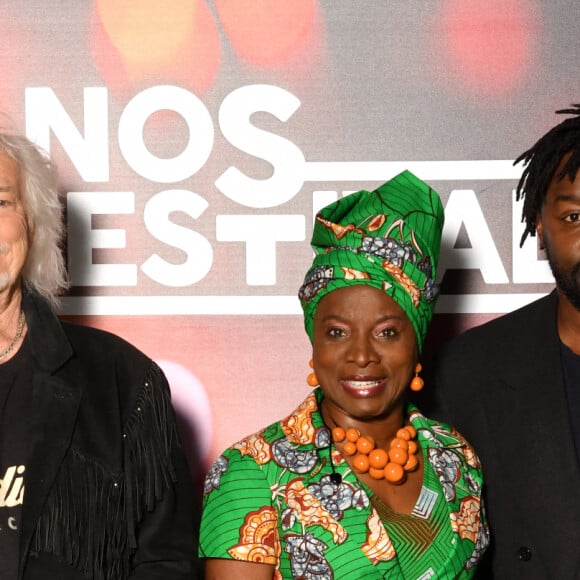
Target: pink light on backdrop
x: 485, y: 47
x: 269, y: 34
x: 15, y: 63
x: 137, y: 44
x: 191, y: 404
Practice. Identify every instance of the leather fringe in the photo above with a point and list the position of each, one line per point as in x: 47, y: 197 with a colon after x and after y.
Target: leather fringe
x: 91, y: 515
x: 150, y: 435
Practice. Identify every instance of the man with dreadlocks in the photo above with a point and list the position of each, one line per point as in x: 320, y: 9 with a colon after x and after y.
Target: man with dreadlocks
x: 512, y: 386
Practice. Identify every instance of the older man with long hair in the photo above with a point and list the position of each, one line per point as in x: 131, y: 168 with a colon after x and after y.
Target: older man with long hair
x: 94, y: 481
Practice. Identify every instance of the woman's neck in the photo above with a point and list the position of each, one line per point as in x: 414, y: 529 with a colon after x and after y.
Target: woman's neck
x: 382, y: 429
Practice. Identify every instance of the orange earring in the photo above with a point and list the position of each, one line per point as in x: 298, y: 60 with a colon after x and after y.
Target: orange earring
x: 417, y: 382
x: 312, y: 379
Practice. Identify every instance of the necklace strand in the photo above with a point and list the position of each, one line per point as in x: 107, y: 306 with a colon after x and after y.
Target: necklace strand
x: 379, y: 463
x: 14, y: 342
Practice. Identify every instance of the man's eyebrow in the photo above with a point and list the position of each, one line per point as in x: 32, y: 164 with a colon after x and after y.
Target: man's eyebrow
x: 567, y: 197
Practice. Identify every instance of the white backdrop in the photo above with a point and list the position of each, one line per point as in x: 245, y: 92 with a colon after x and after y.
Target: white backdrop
x: 195, y: 140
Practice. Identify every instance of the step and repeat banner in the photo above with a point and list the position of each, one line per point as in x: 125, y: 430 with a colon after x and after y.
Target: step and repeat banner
x: 196, y: 139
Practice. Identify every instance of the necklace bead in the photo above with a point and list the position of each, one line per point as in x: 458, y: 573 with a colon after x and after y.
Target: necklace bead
x: 378, y: 458
x: 379, y: 463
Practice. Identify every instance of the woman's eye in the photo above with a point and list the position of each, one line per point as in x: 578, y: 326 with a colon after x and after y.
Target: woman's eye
x: 336, y: 332
x: 387, y: 333
x: 572, y: 217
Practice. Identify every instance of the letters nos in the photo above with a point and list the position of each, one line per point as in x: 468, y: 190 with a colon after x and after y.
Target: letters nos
x: 258, y: 231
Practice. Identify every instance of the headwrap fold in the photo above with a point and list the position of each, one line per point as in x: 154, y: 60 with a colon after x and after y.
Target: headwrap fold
x: 388, y: 239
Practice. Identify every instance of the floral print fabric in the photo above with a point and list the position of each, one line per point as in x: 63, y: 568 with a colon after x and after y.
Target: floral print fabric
x: 270, y: 499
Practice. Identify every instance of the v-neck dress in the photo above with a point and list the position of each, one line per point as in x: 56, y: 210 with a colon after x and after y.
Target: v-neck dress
x: 269, y: 498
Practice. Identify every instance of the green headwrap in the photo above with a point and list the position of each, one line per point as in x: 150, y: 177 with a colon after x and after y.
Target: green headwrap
x: 388, y: 239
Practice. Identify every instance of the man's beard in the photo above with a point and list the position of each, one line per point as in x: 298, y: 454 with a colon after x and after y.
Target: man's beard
x: 4, y: 281
x: 4, y: 276
x: 568, y: 281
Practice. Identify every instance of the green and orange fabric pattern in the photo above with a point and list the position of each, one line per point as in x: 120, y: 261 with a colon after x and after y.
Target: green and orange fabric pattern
x: 270, y: 499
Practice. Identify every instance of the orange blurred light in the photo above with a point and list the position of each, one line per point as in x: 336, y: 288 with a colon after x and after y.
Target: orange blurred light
x: 147, y: 32
x: 141, y: 43
x: 267, y: 33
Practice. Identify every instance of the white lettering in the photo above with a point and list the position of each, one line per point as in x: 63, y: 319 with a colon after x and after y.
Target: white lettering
x: 198, y: 250
x: 286, y: 158
x: 90, y: 155
x: 260, y: 232
x: 12, y: 486
x: 201, y: 134
x: 82, y: 239
x: 463, y: 208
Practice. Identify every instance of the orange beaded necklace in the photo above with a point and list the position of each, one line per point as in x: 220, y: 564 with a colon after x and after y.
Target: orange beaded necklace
x: 391, y: 465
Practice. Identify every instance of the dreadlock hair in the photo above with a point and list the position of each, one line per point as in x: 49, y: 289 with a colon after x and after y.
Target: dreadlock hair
x: 541, y: 162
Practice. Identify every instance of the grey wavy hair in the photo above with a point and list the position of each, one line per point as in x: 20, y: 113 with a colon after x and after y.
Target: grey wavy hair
x: 44, y: 270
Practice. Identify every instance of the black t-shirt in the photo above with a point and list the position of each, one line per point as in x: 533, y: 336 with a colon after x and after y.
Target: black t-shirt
x: 571, y: 367
x: 15, y: 405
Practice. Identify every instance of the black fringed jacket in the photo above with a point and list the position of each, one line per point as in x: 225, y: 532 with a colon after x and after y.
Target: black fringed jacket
x: 107, y: 491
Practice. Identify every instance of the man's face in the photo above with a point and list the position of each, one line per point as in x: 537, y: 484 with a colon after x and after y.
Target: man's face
x: 14, y: 235
x: 558, y: 227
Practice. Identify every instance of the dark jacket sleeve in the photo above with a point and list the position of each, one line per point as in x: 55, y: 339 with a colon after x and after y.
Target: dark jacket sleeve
x: 161, y: 501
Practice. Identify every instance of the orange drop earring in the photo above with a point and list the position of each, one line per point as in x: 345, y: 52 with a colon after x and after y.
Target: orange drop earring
x: 417, y: 382
x: 312, y: 379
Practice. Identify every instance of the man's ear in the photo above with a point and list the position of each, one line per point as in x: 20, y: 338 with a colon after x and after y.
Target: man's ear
x: 540, y: 230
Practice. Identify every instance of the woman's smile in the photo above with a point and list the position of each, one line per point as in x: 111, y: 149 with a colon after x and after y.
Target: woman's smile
x: 364, y: 386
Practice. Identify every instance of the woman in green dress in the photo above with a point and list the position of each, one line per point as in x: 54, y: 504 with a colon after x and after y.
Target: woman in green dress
x: 356, y: 482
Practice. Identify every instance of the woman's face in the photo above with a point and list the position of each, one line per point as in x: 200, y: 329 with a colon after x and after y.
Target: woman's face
x: 364, y: 352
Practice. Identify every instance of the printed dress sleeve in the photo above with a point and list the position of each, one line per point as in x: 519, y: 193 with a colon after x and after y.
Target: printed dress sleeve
x: 238, y: 520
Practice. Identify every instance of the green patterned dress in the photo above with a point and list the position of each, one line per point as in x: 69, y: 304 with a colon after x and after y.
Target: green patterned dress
x: 270, y: 499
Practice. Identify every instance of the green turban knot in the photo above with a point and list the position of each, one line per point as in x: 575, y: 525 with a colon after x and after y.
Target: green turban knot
x: 389, y: 239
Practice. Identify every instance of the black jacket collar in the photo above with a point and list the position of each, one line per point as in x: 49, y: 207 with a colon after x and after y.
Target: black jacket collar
x: 50, y: 345
x: 55, y: 402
